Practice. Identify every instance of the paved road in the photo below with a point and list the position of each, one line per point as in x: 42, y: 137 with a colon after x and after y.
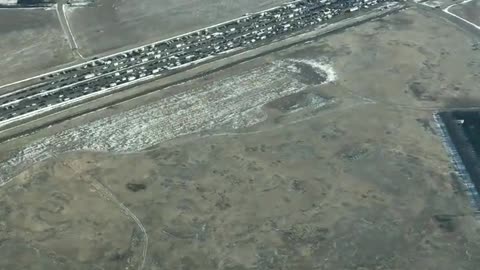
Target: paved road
x: 116, y: 71
x: 447, y: 10
x: 93, y: 105
x: 460, y: 22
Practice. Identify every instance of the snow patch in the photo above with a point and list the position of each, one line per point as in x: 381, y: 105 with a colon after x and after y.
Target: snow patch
x: 320, y: 67
x: 235, y: 102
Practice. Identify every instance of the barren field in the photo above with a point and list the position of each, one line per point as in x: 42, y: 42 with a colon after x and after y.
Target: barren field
x: 31, y: 42
x: 469, y: 11
x: 321, y: 156
x: 117, y: 24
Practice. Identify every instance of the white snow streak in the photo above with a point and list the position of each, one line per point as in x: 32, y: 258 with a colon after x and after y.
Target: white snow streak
x: 235, y: 102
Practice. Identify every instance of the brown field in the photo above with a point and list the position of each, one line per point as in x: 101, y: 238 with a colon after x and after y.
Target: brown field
x: 469, y: 11
x: 31, y: 42
x: 261, y: 165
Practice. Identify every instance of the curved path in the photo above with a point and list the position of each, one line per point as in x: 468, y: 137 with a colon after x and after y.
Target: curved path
x: 446, y: 10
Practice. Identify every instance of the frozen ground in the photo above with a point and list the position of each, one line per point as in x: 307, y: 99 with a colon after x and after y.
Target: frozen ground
x: 233, y: 103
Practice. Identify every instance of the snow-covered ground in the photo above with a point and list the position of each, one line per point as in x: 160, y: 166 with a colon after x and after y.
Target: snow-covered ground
x: 235, y: 102
x: 8, y: 2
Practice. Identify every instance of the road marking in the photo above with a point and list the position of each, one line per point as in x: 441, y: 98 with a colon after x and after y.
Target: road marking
x: 104, y: 75
x: 71, y: 101
x: 375, y: 13
x: 446, y: 10
x: 83, y: 97
x: 138, y: 47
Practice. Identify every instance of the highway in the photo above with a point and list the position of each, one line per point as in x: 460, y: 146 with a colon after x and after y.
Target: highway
x: 72, y: 85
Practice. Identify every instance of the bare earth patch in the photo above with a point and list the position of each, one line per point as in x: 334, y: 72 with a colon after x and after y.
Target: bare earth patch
x: 321, y: 156
x: 32, y: 42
